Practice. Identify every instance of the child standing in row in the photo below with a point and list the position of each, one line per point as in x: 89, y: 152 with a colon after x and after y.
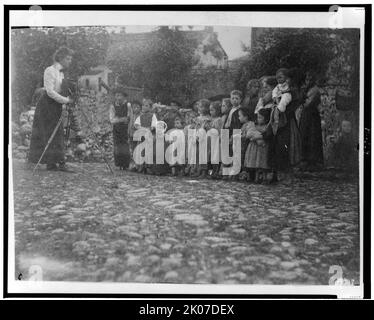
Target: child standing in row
x: 247, y: 126
x: 190, y: 118
x: 216, y: 123
x: 232, y: 121
x: 256, y: 155
x: 179, y: 166
x: 202, y: 123
x: 146, y: 120
x: 136, y: 111
x: 225, y: 110
x: 119, y: 116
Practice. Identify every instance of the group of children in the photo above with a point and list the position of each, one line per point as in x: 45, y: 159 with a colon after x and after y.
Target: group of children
x: 269, y: 126
x: 225, y: 114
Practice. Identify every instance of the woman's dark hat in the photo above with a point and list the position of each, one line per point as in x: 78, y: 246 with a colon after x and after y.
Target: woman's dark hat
x: 120, y: 89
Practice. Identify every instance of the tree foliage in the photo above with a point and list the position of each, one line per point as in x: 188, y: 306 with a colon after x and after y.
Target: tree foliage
x: 305, y: 49
x: 162, y: 66
x: 32, y: 52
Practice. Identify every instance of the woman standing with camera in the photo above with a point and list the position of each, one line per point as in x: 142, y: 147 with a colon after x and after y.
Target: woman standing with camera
x: 48, y: 112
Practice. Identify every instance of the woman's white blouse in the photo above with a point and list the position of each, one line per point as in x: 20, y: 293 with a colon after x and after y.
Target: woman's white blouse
x: 53, y: 77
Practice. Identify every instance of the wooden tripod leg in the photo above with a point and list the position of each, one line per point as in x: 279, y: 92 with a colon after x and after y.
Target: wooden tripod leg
x: 49, y: 142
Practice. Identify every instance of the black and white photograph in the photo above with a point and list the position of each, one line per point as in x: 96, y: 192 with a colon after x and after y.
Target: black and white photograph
x: 198, y: 152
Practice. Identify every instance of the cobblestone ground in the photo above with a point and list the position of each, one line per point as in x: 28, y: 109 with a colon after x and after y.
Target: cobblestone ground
x: 92, y: 226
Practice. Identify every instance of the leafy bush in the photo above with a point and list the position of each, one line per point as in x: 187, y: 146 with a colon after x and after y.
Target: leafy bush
x: 162, y: 66
x: 331, y: 53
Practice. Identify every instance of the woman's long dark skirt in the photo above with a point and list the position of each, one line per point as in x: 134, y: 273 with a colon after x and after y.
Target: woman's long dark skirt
x: 121, y: 145
x: 279, y: 148
x: 47, y: 114
x: 311, y: 136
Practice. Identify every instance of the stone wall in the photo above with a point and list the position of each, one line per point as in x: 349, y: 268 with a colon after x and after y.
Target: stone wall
x: 93, y: 116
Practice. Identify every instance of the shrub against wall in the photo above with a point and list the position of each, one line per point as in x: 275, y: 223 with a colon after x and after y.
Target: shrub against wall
x: 93, y: 116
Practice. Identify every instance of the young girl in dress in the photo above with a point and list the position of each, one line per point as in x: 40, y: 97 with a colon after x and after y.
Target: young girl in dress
x: 178, y: 167
x: 146, y: 120
x: 225, y: 110
x: 247, y: 126
x: 215, y: 113
x: 203, y: 122
x: 190, y: 118
x: 256, y: 155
